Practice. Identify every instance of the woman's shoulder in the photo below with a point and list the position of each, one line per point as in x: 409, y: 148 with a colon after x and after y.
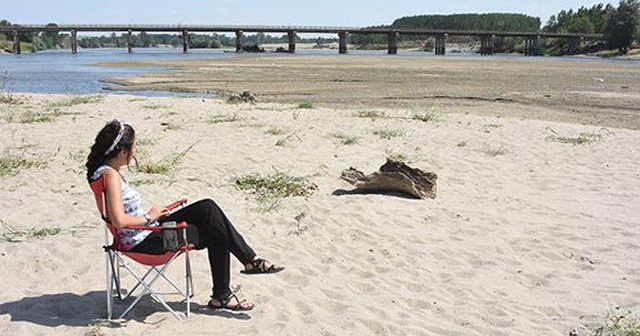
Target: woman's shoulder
x: 105, y: 170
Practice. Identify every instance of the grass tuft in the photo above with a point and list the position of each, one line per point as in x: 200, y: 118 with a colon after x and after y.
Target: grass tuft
x: 31, y: 117
x: 388, y: 133
x: 11, y: 164
x: 274, y: 131
x: 270, y: 190
x: 79, y: 100
x: 344, y: 138
x: 373, y: 115
x: 7, y: 85
x: 95, y: 329
x: 283, y: 141
x: 17, y: 236
x: 36, y: 117
x: 171, y: 126
x: 305, y: 105
x: 582, y: 139
x: 617, y: 322
x: 219, y: 118
x: 165, y: 165
x: 397, y: 157
x: 431, y: 115
x: 156, y: 106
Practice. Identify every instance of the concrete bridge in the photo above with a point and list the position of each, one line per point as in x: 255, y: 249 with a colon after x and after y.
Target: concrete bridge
x: 487, y: 37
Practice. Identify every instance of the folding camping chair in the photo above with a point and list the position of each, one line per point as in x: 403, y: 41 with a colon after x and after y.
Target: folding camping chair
x: 156, y: 265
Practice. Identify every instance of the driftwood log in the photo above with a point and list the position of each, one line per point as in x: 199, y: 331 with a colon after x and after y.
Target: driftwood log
x: 394, y: 176
x: 244, y: 97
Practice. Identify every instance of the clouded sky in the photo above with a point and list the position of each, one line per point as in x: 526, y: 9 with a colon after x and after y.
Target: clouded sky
x: 336, y: 13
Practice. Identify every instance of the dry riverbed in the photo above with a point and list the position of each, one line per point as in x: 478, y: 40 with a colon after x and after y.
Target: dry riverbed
x: 602, y: 94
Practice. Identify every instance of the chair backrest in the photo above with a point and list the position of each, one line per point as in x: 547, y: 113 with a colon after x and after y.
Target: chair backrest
x: 99, y: 192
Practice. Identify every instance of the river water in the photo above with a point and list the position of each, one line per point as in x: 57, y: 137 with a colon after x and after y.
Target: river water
x: 61, y: 72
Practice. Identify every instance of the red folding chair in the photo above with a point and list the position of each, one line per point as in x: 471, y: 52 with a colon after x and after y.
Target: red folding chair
x: 156, y: 264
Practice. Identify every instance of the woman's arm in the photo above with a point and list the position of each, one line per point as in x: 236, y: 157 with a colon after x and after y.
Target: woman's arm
x: 115, y: 207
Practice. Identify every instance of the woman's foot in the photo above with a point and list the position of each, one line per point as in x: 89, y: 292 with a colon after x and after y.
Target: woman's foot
x: 261, y: 266
x: 232, y: 303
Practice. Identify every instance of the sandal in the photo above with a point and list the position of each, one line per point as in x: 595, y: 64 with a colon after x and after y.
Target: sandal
x: 224, y: 304
x: 259, y: 267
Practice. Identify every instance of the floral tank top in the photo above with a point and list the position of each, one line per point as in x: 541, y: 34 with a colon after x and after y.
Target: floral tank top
x: 131, y: 199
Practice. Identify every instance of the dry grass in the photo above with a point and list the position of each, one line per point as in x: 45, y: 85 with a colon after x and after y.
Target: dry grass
x: 581, y: 139
x: 618, y: 321
x: 271, y: 189
x: 12, y: 163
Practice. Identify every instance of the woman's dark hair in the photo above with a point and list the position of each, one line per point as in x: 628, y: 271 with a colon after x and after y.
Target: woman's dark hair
x: 107, y: 144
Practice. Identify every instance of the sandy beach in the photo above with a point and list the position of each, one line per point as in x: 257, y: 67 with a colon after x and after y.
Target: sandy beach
x: 534, y: 229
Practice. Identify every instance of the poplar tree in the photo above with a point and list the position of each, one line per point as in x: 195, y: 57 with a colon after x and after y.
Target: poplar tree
x: 622, y: 25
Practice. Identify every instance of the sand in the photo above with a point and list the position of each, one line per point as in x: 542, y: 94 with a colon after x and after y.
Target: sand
x: 527, y: 235
x: 575, y: 91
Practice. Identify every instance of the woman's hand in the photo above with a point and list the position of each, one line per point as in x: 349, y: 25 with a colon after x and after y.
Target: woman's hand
x: 156, y: 212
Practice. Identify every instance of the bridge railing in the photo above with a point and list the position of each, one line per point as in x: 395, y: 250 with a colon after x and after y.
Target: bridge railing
x: 281, y: 29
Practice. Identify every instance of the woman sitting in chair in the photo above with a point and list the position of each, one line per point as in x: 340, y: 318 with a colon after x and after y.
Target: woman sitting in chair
x: 207, y: 225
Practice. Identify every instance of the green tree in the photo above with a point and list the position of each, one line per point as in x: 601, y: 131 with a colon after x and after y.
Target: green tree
x: 584, y: 20
x: 52, y: 38
x: 622, y: 25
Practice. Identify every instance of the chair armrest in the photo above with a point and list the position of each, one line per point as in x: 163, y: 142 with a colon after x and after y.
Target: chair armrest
x: 181, y: 225
x: 176, y: 204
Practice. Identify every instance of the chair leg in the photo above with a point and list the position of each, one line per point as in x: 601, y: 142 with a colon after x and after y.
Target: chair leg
x: 115, y: 261
x: 189, y: 282
x: 109, y: 264
x: 147, y: 289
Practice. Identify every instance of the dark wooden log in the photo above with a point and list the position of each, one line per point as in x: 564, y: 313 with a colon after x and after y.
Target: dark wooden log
x: 394, y: 176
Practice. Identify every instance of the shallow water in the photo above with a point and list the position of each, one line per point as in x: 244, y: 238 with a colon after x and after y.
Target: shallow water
x: 60, y: 72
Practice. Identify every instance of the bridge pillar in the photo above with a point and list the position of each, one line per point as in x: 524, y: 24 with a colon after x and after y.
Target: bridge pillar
x: 342, y: 46
x: 532, y: 46
x: 238, y: 41
x: 441, y: 44
x: 129, y: 47
x: 16, y: 43
x: 74, y: 42
x: 292, y: 41
x: 185, y: 41
x: 392, y: 40
x: 487, y: 44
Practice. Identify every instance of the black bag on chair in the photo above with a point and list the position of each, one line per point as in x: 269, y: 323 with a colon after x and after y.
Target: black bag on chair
x: 170, y: 236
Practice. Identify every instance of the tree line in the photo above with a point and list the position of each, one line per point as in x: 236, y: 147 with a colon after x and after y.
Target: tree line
x: 618, y: 24
x: 464, y: 22
x: 145, y: 40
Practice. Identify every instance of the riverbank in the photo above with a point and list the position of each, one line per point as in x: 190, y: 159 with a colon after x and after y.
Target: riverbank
x: 596, y: 93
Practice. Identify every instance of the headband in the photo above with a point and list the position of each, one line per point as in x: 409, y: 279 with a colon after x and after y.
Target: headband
x: 118, y: 137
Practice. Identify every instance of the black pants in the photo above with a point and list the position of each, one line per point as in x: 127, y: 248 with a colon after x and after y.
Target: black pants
x: 209, y: 228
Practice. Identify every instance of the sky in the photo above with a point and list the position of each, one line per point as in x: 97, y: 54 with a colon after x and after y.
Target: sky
x: 326, y: 13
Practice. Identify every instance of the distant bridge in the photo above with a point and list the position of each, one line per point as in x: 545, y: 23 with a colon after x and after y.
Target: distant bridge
x: 487, y: 37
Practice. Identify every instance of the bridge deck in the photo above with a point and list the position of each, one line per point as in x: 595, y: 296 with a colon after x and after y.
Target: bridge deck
x: 279, y: 29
